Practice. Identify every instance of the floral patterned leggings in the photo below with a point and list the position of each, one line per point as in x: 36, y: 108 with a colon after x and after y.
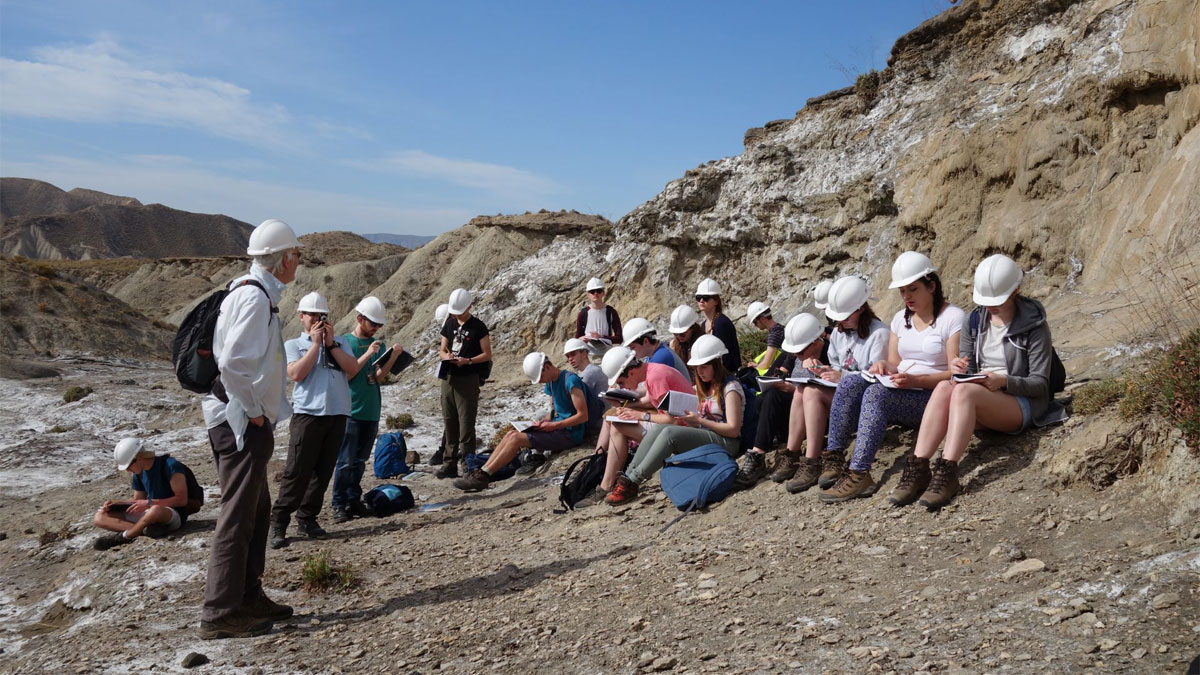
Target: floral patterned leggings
x: 870, y: 408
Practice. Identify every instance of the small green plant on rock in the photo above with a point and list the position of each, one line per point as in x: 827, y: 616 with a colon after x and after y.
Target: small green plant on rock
x: 752, y: 342
x: 76, y: 393
x: 321, y: 574
x: 57, y: 429
x: 401, y: 421
x: 866, y: 86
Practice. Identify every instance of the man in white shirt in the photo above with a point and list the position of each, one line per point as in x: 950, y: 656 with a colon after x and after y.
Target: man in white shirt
x: 246, y: 403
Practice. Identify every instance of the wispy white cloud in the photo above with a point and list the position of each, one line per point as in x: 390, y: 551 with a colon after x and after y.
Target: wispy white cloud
x: 185, y: 184
x: 495, y: 178
x: 102, y: 82
x: 99, y: 83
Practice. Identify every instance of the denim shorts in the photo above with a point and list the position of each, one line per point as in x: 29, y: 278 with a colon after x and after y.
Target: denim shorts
x: 559, y: 439
x: 1026, y: 415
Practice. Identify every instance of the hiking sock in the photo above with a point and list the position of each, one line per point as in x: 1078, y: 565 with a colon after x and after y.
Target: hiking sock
x: 484, y: 469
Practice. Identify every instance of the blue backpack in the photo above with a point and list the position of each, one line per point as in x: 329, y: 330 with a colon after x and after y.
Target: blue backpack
x: 385, y: 500
x: 390, y: 450
x: 477, y: 460
x: 697, y: 478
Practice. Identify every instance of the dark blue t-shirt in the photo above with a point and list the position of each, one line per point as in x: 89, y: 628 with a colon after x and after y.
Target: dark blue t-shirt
x: 156, y: 481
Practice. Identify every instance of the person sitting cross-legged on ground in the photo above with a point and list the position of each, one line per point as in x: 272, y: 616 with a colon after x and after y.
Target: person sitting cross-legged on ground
x: 596, y: 383
x: 562, y: 428
x: 165, y: 493
x: 1007, y: 341
x: 803, y: 337
x: 771, y: 360
x: 719, y: 421
x: 924, y: 338
x: 625, y: 370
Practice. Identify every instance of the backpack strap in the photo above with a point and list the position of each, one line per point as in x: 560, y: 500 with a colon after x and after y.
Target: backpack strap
x: 256, y: 284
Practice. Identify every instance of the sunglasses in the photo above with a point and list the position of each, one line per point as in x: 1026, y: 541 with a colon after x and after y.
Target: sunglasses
x: 595, y: 291
x: 705, y: 298
x: 372, y: 323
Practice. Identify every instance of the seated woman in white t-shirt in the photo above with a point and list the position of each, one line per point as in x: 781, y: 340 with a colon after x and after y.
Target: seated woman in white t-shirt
x: 1007, y: 341
x: 924, y: 338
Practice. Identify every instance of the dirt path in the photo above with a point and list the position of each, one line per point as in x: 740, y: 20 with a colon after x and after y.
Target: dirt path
x: 499, y: 582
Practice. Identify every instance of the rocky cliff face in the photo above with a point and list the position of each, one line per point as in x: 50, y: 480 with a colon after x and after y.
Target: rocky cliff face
x: 1060, y: 133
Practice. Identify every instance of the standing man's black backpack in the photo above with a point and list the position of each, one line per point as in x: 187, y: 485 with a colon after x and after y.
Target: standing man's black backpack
x: 192, y: 351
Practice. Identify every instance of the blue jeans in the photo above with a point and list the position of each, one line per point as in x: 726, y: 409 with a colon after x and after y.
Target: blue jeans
x: 352, y: 461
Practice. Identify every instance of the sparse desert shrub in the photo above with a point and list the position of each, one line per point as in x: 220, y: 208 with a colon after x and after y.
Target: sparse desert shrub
x: 321, y: 574
x: 866, y: 86
x: 494, y: 442
x: 45, y: 271
x: 76, y: 393
x: 159, y: 323
x: 752, y: 342
x: 44, y: 308
x: 401, y: 421
x: 56, y: 429
x: 1169, y: 387
x: 1093, y: 397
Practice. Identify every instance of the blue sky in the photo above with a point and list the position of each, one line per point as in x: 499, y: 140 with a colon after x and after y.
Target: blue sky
x: 410, y: 118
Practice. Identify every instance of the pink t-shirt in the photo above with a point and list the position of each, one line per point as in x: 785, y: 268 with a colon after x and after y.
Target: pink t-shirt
x: 660, y: 379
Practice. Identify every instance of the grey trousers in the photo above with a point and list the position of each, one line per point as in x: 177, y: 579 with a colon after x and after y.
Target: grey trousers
x: 238, y: 549
x: 313, y: 447
x: 664, y: 440
x: 460, y: 403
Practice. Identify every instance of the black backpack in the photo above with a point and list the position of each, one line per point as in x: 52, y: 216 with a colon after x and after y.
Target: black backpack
x: 191, y: 353
x: 577, y: 485
x: 1058, y: 372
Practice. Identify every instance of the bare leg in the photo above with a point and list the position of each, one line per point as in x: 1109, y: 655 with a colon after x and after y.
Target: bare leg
x: 935, y: 420
x: 107, y: 521
x: 618, y: 449
x: 504, y: 453
x: 602, y: 441
x: 971, y: 404
x: 817, y: 401
x: 796, y: 420
x: 153, y: 515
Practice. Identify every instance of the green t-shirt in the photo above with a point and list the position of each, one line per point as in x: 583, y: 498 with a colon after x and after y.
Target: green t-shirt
x: 365, y: 400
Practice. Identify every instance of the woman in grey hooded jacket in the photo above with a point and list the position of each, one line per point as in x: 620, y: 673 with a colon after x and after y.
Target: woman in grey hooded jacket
x: 1001, y: 381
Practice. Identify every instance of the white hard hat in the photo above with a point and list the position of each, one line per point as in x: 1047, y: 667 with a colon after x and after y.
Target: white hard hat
x: 800, y: 332
x: 909, y: 267
x: 272, y: 236
x: 683, y: 318
x: 995, y: 280
x: 313, y: 302
x: 846, y: 296
x: 636, y: 328
x: 594, y: 284
x: 126, y: 451
x: 372, y: 308
x: 707, y: 348
x: 460, y: 300
x: 708, y: 287
x: 614, y: 362
x: 440, y: 314
x: 821, y: 293
x: 574, y: 345
x: 534, y: 362
x: 757, y: 309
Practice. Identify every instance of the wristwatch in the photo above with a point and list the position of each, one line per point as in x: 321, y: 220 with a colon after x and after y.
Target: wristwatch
x: 646, y: 417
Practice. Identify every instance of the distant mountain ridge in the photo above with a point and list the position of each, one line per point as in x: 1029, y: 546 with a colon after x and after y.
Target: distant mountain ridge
x: 43, y: 221
x: 405, y: 240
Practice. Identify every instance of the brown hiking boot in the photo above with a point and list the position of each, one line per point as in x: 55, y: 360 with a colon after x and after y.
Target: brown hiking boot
x: 474, y: 481
x: 235, y: 626
x: 852, y: 484
x: 833, y: 465
x: 806, y: 476
x: 913, y: 481
x: 623, y: 492
x: 785, y: 465
x: 266, y: 608
x: 942, y: 486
